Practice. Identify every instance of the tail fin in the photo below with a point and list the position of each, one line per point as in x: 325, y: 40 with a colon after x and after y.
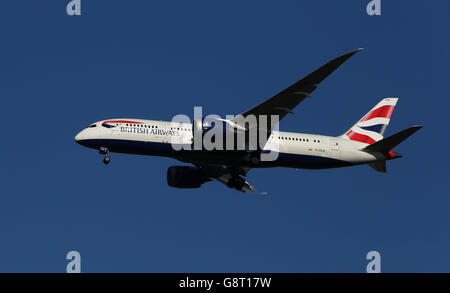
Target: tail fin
x: 371, y: 127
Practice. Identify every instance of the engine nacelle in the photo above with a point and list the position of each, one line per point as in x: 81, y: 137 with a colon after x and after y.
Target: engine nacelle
x: 185, y: 177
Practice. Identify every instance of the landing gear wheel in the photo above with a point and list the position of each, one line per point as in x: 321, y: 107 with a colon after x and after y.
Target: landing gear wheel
x: 106, y: 160
x: 236, y: 183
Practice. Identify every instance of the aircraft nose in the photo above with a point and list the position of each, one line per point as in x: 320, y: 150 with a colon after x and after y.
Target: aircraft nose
x: 78, y: 137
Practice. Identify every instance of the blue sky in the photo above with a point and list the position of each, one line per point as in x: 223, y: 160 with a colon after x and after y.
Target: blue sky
x: 156, y: 59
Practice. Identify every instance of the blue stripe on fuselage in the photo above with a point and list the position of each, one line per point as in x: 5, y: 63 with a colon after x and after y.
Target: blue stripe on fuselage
x: 165, y: 149
x: 309, y: 161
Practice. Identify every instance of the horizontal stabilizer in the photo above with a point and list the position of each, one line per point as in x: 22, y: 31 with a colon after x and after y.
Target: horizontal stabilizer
x: 392, y: 141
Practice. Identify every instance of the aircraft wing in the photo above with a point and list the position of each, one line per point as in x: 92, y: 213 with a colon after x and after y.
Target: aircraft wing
x: 284, y: 102
x: 223, y: 174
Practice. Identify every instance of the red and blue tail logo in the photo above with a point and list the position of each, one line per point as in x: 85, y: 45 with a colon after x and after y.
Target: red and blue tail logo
x: 372, y: 126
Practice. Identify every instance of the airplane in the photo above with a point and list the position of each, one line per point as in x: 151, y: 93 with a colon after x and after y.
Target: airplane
x: 363, y: 143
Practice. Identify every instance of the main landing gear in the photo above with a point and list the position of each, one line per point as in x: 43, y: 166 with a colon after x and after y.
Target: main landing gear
x: 105, y: 151
x: 236, y: 182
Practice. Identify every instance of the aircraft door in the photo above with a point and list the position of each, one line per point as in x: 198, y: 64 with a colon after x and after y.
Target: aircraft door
x: 115, y: 131
x: 334, y: 145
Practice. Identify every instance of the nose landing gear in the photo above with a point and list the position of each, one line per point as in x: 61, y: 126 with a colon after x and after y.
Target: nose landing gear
x: 105, y: 151
x: 106, y: 160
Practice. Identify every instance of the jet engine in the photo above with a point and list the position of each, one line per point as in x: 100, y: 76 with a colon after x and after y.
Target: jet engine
x: 185, y: 177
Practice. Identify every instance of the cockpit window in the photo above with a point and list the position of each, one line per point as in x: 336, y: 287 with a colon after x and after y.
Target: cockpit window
x: 93, y: 125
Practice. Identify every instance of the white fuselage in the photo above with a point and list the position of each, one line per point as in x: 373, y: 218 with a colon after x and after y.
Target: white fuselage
x: 157, y: 138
